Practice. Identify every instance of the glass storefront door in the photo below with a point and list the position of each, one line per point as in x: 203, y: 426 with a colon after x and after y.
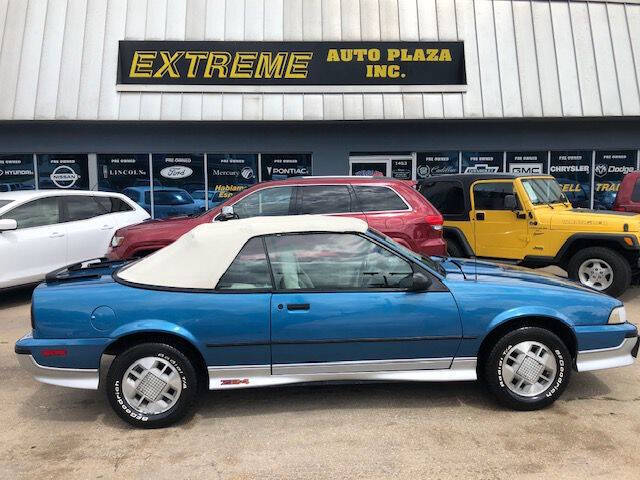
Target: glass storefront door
x: 401, y: 167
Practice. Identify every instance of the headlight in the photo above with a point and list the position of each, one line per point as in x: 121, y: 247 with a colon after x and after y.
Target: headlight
x: 618, y: 315
x: 116, y: 241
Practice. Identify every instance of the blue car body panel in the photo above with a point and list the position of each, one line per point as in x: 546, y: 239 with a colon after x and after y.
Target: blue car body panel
x: 84, y: 316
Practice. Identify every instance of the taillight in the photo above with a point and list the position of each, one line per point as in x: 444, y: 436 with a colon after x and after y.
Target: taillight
x: 435, y: 220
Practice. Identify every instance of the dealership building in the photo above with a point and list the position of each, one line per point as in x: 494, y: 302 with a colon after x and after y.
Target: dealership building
x: 211, y: 96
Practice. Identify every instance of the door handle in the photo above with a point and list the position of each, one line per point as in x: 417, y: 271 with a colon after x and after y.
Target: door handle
x: 479, y: 215
x: 106, y: 227
x: 298, y: 306
x: 56, y: 235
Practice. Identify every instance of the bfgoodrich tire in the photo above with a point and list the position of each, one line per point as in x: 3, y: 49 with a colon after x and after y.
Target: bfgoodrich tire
x: 528, y: 368
x: 152, y: 385
x: 602, y: 269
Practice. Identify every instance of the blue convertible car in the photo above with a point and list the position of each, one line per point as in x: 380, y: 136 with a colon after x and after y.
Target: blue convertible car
x: 278, y: 300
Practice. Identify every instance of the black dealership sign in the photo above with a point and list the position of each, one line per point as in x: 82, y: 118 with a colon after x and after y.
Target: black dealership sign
x: 231, y: 173
x: 66, y: 171
x: 278, y: 166
x: 481, y: 162
x: 436, y: 163
x: 16, y: 172
x: 274, y: 66
x: 610, y: 167
x: 572, y: 170
x: 117, y: 171
x: 527, y: 163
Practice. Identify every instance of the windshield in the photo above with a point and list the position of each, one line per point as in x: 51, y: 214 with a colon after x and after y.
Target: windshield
x: 5, y: 202
x: 411, y: 254
x: 169, y: 197
x: 543, y: 191
x: 198, y: 194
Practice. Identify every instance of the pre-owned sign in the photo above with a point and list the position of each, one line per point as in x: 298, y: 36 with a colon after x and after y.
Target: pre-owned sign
x: 610, y: 167
x: 16, y: 172
x: 291, y: 66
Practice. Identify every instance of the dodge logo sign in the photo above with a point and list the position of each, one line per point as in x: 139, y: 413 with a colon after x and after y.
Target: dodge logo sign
x: 64, y: 177
x: 177, y: 171
x: 601, y: 170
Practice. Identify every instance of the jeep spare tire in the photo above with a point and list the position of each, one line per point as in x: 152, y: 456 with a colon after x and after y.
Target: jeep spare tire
x: 601, y: 269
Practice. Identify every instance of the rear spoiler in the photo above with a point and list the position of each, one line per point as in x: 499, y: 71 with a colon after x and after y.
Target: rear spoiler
x: 93, y: 268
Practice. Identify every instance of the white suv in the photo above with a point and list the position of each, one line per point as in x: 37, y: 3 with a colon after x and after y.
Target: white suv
x: 48, y: 229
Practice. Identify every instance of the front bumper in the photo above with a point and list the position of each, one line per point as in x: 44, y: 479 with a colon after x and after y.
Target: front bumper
x: 64, y: 377
x: 619, y: 356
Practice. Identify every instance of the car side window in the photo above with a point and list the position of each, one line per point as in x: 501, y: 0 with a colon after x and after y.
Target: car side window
x: 265, y: 203
x: 635, y: 194
x: 334, y: 261
x: 112, y: 204
x: 446, y: 196
x: 378, y: 199
x: 37, y: 213
x: 490, y: 196
x: 318, y: 199
x: 249, y: 270
x: 82, y: 207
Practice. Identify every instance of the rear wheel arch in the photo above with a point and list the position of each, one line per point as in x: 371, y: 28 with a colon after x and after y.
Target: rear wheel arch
x: 558, y: 327
x: 125, y: 342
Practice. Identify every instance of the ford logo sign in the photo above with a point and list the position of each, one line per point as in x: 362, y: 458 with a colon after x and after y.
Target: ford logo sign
x: 176, y: 171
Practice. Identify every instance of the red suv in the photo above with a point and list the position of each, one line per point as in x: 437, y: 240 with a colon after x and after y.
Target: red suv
x: 628, y: 197
x: 390, y: 206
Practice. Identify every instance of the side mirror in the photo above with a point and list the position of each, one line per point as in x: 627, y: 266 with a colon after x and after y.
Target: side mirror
x: 8, y: 224
x: 510, y: 202
x: 228, y: 213
x: 419, y: 282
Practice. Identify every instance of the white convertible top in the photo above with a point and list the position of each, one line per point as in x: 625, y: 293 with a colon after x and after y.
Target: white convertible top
x: 200, y: 257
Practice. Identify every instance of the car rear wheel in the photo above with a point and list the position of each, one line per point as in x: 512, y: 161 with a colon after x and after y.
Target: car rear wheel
x: 152, y: 385
x: 528, y: 368
x: 602, y: 269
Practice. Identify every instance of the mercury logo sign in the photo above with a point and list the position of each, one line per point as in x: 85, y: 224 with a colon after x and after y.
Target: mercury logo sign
x: 176, y: 171
x: 64, y: 176
x: 247, y: 173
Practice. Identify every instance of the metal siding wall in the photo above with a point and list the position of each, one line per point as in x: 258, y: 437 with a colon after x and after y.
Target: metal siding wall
x: 526, y: 58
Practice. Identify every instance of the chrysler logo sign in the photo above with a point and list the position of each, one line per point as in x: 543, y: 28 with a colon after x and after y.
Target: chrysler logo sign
x: 176, y: 171
x: 64, y: 177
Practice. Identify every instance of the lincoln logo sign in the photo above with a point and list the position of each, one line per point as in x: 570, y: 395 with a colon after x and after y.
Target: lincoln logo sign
x: 201, y: 66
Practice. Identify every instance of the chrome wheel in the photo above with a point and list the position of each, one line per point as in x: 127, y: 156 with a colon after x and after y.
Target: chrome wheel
x: 528, y: 368
x: 151, y: 385
x: 596, y: 273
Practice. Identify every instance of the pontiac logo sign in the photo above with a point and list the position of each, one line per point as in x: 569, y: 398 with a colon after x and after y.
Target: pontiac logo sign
x: 176, y: 171
x: 64, y: 177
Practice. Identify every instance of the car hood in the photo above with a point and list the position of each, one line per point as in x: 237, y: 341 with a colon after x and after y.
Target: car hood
x: 175, y: 226
x: 584, y: 219
x: 488, y: 271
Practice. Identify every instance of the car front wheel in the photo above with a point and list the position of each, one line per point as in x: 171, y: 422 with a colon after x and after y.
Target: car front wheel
x: 152, y: 385
x: 602, y: 269
x: 528, y: 368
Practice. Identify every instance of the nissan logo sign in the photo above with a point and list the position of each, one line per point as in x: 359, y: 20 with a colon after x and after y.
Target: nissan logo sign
x: 64, y: 176
x: 176, y: 171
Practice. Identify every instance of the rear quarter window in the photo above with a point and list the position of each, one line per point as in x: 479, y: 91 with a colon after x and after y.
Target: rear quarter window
x: 446, y: 196
x: 374, y: 198
x: 635, y: 194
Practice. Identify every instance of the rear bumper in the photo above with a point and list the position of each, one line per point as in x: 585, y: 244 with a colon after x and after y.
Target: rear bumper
x: 619, y: 356
x: 65, y: 377
x: 431, y: 246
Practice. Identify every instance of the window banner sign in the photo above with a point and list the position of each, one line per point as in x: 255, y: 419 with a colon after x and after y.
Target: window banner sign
x: 117, y: 171
x: 572, y: 170
x: 402, y: 169
x: 610, y: 167
x: 229, y: 174
x: 436, y: 163
x: 67, y: 171
x: 17, y: 172
x: 481, y: 162
x: 300, y: 67
x: 527, y: 163
x: 178, y: 170
x: 278, y: 166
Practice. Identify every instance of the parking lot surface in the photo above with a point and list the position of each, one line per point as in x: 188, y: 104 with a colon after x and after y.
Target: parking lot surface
x: 400, y: 430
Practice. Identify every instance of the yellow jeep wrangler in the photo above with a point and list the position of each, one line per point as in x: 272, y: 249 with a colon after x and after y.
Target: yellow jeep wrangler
x: 527, y: 219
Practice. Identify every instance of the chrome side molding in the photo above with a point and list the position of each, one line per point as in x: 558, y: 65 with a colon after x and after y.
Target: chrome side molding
x: 86, y: 378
